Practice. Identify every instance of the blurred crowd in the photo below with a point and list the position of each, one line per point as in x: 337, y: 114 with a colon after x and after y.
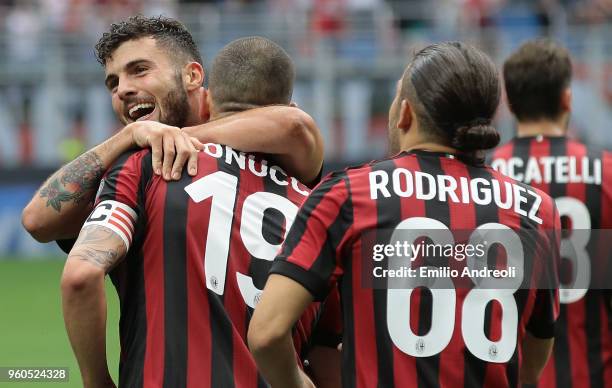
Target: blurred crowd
x: 30, y: 17
x: 348, y: 52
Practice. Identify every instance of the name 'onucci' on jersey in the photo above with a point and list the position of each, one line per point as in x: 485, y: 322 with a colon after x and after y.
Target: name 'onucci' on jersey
x: 200, y: 253
x: 580, y: 181
x: 397, y: 346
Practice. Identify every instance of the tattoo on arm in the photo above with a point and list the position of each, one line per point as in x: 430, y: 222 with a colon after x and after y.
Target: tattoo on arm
x: 75, y: 182
x: 99, y: 246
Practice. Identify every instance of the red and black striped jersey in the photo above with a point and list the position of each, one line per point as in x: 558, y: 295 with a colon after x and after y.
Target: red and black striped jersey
x: 415, y: 337
x: 579, y: 178
x: 200, y: 254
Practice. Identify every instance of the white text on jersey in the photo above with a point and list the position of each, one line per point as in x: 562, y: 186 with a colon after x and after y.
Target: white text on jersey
x: 276, y: 174
x: 406, y: 183
x: 548, y: 169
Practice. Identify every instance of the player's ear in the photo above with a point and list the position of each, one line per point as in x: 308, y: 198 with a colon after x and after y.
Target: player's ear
x: 204, y: 107
x: 193, y: 75
x: 566, y: 100
x: 405, y: 116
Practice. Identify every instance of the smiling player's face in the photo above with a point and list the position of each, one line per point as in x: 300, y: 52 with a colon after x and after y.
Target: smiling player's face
x: 145, y: 84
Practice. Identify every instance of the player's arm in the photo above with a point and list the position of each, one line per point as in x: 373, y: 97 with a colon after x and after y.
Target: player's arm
x: 287, y: 133
x: 84, y: 300
x: 536, y: 352
x: 283, y: 302
x: 101, y: 245
x: 62, y: 203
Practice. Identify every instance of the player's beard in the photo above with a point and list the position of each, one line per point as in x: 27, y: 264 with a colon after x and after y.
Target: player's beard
x: 175, y: 106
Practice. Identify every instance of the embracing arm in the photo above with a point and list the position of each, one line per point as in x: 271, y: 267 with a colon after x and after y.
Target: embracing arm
x: 62, y: 203
x: 287, y: 133
x: 96, y: 251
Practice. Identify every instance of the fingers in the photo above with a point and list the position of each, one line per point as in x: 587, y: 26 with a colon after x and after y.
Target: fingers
x: 169, y: 154
x: 197, y: 144
x: 192, y: 164
x: 184, y: 150
x: 171, y: 150
x: 156, y: 143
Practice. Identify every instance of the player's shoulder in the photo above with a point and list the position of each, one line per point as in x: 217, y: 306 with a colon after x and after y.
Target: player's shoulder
x: 576, y: 147
x: 594, y: 151
x: 598, y: 154
x: 132, y: 161
x: 135, y: 154
x: 546, y: 202
x: 355, y: 172
x: 499, y: 176
x: 221, y: 156
x: 377, y: 164
x: 214, y: 152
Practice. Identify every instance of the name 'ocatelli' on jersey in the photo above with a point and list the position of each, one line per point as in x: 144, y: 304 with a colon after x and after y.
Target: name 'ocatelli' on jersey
x: 200, y: 255
x: 579, y: 178
x: 326, y: 245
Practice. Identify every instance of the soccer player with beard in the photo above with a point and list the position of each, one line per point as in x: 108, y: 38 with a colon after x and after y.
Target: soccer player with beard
x: 188, y: 257
x: 579, y: 177
x: 451, y: 336
x: 153, y: 69
x: 154, y: 94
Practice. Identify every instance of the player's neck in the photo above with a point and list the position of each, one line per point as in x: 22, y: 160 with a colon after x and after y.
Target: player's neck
x: 544, y: 128
x: 194, y: 117
x: 431, y: 147
x: 219, y: 115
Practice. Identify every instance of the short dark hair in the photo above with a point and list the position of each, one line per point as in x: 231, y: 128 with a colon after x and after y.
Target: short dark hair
x: 250, y: 72
x: 454, y: 89
x: 535, y: 77
x: 168, y: 32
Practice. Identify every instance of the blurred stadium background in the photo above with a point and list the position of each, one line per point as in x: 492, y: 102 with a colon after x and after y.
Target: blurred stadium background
x: 349, y: 53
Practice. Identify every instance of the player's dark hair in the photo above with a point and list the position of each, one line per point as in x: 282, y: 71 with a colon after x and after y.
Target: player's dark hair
x: 251, y: 72
x: 167, y: 32
x: 454, y: 90
x: 535, y: 77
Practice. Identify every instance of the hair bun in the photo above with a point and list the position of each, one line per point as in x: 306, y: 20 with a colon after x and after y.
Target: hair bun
x: 477, y: 136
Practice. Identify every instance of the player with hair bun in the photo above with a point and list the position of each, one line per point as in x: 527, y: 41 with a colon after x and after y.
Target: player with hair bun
x: 424, y: 336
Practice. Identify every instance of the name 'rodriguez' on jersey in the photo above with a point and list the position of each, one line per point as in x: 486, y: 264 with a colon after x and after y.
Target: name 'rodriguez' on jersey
x: 423, y: 186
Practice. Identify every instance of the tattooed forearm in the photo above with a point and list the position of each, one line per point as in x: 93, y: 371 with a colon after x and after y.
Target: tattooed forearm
x: 99, y: 246
x: 75, y: 182
x: 101, y: 258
